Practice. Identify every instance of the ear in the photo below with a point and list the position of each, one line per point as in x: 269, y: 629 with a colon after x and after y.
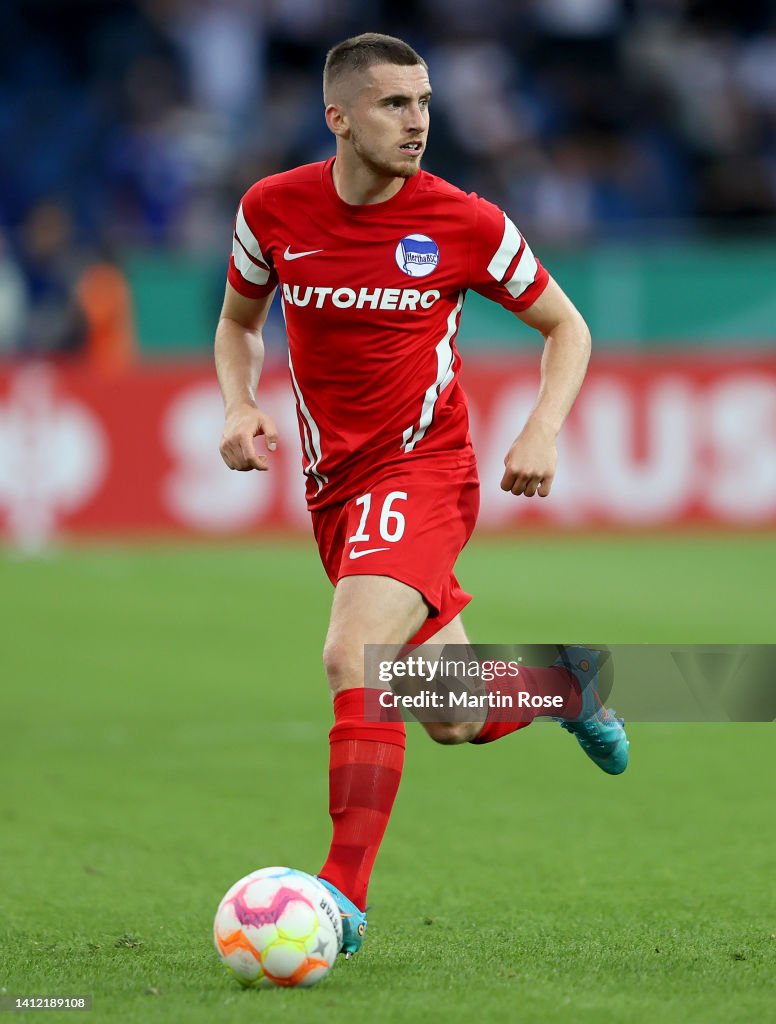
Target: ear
x: 337, y: 120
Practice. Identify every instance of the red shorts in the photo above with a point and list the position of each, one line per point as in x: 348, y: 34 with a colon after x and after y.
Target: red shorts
x: 411, y: 525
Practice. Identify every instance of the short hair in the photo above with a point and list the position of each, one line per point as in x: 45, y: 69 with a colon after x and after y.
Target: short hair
x: 365, y: 51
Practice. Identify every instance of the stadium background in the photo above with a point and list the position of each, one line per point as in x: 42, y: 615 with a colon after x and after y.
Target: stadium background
x: 634, y: 143
x: 165, y: 728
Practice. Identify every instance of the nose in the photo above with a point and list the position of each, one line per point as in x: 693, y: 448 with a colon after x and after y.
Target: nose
x: 415, y: 118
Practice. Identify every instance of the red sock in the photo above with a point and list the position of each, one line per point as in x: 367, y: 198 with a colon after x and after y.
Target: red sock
x: 364, y: 773
x: 538, y: 682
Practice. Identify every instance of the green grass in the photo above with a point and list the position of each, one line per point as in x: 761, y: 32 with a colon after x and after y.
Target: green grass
x: 164, y: 719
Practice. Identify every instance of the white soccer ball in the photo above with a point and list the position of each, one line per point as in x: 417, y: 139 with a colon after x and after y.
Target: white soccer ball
x: 278, y: 926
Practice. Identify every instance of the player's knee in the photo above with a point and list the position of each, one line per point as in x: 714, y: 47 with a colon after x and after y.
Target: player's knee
x: 344, y: 665
x: 451, y: 733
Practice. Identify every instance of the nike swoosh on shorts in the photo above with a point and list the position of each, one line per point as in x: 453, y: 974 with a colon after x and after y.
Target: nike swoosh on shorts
x: 366, y: 551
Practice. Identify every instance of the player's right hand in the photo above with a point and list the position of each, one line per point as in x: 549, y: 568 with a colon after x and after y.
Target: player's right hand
x: 237, y: 448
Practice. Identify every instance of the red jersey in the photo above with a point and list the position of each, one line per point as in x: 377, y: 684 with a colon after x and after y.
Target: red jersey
x: 372, y: 297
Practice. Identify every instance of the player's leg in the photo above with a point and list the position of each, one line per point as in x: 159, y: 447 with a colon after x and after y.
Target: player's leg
x: 389, y: 552
x: 556, y: 682
x: 366, y: 757
x: 450, y: 732
x: 571, y: 682
x: 367, y: 610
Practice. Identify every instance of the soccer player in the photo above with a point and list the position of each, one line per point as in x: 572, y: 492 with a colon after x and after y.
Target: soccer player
x: 373, y: 258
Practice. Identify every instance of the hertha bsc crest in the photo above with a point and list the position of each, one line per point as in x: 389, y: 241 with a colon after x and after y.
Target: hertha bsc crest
x: 417, y: 255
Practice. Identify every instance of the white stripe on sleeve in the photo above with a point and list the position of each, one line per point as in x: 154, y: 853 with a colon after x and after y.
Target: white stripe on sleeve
x: 246, y: 245
x: 524, y: 275
x: 506, y: 252
x: 248, y: 269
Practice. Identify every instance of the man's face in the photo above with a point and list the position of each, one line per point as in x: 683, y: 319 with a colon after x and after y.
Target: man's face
x: 387, y: 118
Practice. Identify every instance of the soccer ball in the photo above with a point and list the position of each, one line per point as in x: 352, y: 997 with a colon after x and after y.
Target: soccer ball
x: 278, y: 926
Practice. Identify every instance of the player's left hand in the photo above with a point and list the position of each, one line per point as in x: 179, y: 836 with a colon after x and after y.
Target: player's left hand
x: 530, y: 462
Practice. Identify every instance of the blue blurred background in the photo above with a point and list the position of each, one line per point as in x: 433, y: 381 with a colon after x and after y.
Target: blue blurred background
x: 627, y: 136
x: 633, y: 141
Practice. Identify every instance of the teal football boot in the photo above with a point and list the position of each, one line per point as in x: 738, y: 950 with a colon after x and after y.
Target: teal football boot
x: 598, y: 730
x: 353, y: 920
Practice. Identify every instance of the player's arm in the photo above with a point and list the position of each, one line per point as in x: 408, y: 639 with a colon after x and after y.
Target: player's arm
x: 531, y: 461
x: 239, y: 355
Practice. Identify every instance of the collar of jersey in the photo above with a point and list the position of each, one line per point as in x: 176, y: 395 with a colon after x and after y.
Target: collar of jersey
x: 367, y: 209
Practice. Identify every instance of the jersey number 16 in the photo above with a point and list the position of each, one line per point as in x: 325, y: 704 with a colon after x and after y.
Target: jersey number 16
x: 392, y: 523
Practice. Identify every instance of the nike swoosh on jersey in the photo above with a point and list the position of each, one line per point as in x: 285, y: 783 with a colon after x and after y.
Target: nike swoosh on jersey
x: 366, y: 551
x: 288, y: 255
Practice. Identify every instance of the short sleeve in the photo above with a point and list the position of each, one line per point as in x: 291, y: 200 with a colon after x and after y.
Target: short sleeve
x: 250, y: 272
x: 501, y: 264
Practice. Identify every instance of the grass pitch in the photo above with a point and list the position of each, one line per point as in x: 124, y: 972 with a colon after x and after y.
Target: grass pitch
x: 164, y: 732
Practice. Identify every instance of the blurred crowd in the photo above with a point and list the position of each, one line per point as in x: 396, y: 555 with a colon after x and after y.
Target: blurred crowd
x: 128, y: 123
